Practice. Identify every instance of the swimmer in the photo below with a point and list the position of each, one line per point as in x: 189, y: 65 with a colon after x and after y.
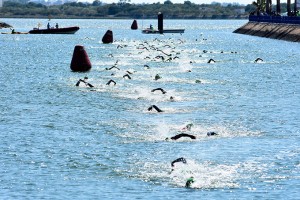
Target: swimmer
x: 189, y: 182
x: 211, y: 61
x: 111, y: 81
x: 183, y: 160
x: 129, y: 72
x: 172, y: 98
x: 258, y: 60
x: 162, y: 90
x: 127, y: 75
x: 157, y: 77
x: 146, y: 66
x: 160, y: 57
x: 112, y: 68
x: 176, y: 137
x: 211, y: 133
x: 84, y: 81
x: 155, y: 107
x: 188, y: 127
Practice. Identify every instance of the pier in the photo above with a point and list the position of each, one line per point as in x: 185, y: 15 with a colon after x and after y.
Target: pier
x: 270, y: 24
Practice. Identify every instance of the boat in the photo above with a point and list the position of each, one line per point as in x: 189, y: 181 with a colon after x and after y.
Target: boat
x: 153, y: 31
x: 66, y: 30
x: 161, y: 30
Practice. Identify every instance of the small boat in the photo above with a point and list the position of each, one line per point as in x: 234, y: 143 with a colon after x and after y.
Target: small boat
x: 153, y: 31
x: 66, y: 30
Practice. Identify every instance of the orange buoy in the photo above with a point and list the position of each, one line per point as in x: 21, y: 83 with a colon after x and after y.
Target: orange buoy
x: 108, y: 37
x: 80, y: 60
x: 134, y: 25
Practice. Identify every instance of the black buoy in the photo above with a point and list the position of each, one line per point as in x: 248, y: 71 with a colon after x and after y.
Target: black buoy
x: 80, y: 60
x: 134, y: 25
x: 108, y: 37
x: 160, y: 18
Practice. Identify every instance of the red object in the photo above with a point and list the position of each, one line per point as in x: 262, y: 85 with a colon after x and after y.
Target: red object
x: 108, y: 37
x: 134, y: 25
x: 80, y: 60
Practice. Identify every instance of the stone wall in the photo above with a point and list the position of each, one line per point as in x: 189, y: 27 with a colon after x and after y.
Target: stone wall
x: 288, y: 32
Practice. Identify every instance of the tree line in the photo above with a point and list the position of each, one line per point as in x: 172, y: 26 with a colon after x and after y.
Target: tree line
x: 124, y: 9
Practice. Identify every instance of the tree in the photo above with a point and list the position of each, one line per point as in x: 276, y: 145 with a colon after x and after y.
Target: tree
x: 168, y: 2
x: 96, y: 3
x: 260, y: 6
x: 187, y: 3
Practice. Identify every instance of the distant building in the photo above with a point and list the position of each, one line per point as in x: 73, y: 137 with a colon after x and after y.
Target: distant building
x: 1, y: 3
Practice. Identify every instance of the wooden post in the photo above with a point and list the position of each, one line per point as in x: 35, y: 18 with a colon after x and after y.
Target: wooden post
x: 288, y: 6
x: 278, y: 9
x: 268, y: 7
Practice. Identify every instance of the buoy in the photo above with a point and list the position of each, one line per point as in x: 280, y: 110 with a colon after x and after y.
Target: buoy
x: 108, y: 37
x: 134, y: 25
x: 80, y: 60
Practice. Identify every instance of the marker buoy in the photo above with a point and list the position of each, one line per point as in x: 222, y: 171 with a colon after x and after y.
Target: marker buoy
x: 80, y: 60
x: 160, y: 19
x: 134, y: 25
x: 108, y: 37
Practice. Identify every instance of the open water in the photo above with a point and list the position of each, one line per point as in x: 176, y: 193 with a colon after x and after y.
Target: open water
x: 59, y: 141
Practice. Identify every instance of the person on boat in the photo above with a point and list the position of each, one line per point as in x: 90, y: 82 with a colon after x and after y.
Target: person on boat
x: 48, y: 25
x: 56, y: 25
x: 189, y: 182
x: 151, y: 27
x: 84, y: 81
x: 13, y: 31
x: 176, y: 137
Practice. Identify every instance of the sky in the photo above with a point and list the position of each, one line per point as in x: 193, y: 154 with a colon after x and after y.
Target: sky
x: 181, y: 1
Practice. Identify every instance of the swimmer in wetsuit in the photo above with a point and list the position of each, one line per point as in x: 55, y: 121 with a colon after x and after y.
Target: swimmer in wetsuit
x: 176, y: 137
x: 155, y: 107
x: 188, y: 127
x: 183, y: 160
x: 84, y: 81
x: 189, y: 182
x: 211, y: 61
x: 211, y: 133
x: 111, y: 81
x: 162, y: 90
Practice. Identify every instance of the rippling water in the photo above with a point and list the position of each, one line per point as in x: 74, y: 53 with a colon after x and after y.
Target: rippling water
x: 61, y: 141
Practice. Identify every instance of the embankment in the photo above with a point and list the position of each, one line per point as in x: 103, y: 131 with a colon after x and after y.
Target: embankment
x: 288, y: 32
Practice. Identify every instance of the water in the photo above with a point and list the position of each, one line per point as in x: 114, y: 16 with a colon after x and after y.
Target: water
x: 59, y: 141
